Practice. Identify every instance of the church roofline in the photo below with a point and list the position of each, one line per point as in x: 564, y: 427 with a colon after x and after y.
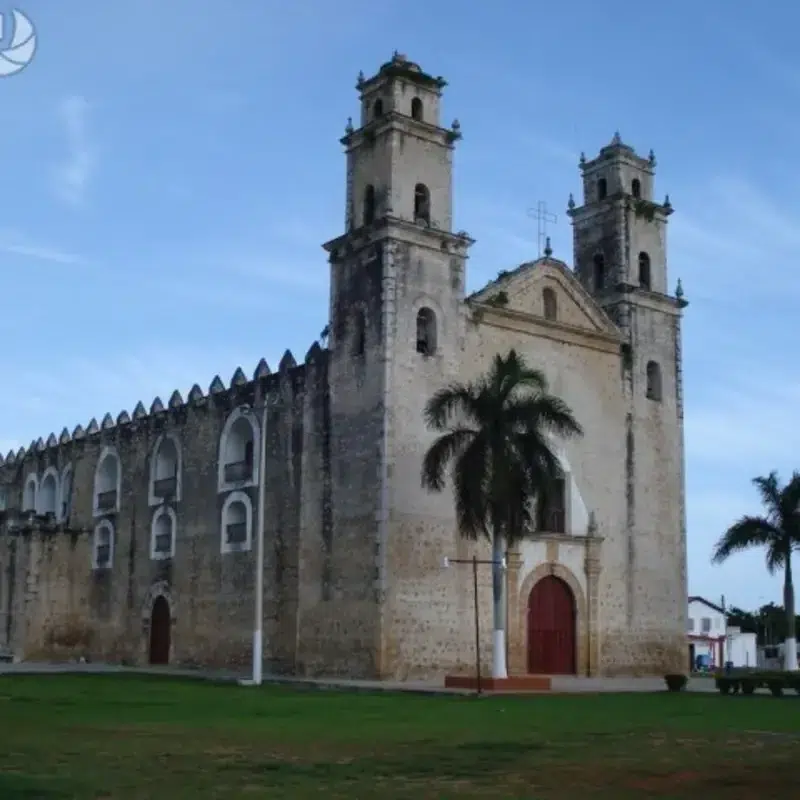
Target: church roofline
x: 610, y: 332
x: 240, y: 385
x: 504, y: 274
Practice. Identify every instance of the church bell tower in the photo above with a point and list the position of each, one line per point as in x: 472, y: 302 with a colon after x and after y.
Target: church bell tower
x: 397, y: 281
x: 620, y: 254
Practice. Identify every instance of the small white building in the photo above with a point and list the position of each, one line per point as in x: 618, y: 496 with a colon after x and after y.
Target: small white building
x: 741, y: 648
x: 712, y: 643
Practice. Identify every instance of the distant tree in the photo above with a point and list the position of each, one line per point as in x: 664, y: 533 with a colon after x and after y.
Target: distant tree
x: 495, y: 442
x: 778, y: 532
x: 745, y: 620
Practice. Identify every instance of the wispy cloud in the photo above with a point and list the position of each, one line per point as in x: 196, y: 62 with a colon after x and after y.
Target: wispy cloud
x: 550, y: 147
x: 14, y: 244
x: 310, y: 276
x: 73, y: 176
x: 750, y: 418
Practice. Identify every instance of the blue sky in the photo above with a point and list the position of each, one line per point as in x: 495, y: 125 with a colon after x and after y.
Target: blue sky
x: 171, y: 168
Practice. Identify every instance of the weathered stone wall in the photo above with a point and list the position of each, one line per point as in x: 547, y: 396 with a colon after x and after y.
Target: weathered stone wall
x: 210, y: 593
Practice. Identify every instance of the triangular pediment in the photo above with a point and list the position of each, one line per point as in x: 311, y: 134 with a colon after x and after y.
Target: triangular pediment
x: 523, y: 291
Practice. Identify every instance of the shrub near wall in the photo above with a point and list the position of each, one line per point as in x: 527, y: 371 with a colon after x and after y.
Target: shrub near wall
x: 778, y: 683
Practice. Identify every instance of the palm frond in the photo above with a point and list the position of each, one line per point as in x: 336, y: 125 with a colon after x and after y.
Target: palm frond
x: 446, y: 448
x: 748, y: 532
x: 496, y: 442
x: 777, y: 552
x: 458, y: 399
x: 470, y: 481
x: 512, y: 374
x: 546, y: 412
x: 770, y: 490
x: 790, y: 509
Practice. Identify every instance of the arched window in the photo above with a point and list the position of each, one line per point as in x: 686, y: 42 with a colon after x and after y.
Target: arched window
x: 65, y: 494
x: 416, y: 109
x: 29, y: 493
x: 107, y: 483
x: 602, y: 189
x: 551, y: 508
x: 653, y: 381
x: 103, y: 545
x: 162, y: 534
x: 48, y: 492
x: 165, y: 470
x: 237, y: 465
x: 422, y: 204
x: 550, y: 303
x: 599, y: 272
x: 237, y: 523
x: 636, y: 188
x: 377, y: 108
x: 426, y: 332
x: 369, y: 204
x: 359, y: 333
x: 644, y: 270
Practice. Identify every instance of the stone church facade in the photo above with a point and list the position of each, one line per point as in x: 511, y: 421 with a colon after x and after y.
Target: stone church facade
x: 133, y: 540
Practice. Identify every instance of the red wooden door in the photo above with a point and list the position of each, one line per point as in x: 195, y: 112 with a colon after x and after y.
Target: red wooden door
x: 551, y: 628
x: 160, y: 623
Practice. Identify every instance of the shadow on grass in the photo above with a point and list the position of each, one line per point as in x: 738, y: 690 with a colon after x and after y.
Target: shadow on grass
x: 423, y: 760
x: 22, y: 787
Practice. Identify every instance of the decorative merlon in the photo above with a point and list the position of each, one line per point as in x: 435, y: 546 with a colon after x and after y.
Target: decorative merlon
x: 196, y: 397
x: 287, y: 362
x: 262, y: 370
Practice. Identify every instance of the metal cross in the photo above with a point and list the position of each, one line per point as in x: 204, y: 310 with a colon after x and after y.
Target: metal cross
x: 542, y: 216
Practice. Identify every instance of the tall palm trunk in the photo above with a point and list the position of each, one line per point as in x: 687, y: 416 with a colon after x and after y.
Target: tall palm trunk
x: 499, y: 669
x: 790, y: 643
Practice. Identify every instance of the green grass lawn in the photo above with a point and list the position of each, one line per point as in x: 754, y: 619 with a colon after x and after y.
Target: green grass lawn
x: 131, y: 737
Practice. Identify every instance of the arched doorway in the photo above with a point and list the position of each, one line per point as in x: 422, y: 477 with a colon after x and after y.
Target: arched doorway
x: 551, y: 628
x: 160, y: 623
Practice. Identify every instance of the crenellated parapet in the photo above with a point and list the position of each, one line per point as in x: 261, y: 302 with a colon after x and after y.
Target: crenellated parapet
x: 172, y: 414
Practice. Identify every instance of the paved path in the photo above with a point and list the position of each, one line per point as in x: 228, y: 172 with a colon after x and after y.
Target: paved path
x: 559, y: 684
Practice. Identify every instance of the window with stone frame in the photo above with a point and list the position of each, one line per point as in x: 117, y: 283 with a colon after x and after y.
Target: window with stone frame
x: 422, y: 204
x: 426, y: 332
x: 653, y: 380
x: 551, y: 508
x: 103, y: 545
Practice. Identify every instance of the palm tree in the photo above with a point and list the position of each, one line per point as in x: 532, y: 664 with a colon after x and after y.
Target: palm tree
x: 495, y: 437
x: 779, y: 532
